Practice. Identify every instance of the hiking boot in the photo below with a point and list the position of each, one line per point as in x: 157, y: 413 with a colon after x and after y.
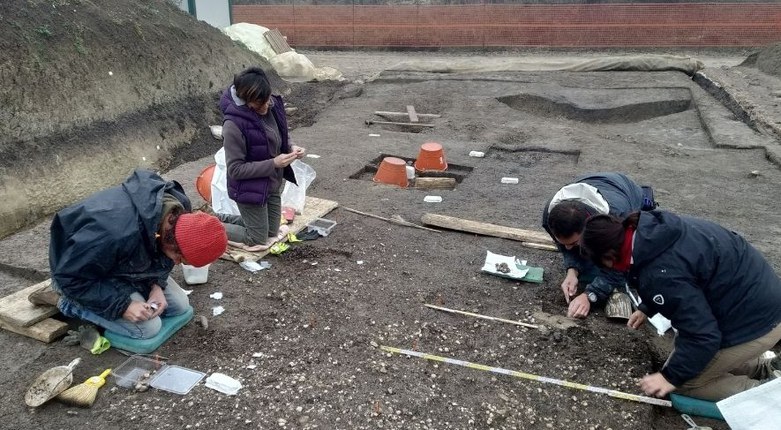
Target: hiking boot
x: 776, y: 374
x: 775, y: 363
x: 44, y: 297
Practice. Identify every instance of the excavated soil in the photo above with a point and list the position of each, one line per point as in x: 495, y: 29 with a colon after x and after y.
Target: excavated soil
x: 303, y: 337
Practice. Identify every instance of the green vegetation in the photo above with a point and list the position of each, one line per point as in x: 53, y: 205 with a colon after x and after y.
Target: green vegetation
x: 79, y: 44
x: 44, y: 31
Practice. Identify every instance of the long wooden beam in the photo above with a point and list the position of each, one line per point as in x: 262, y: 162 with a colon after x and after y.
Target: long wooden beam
x: 535, y: 239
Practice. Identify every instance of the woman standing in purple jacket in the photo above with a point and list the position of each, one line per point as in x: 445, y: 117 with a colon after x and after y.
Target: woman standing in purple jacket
x: 258, y: 155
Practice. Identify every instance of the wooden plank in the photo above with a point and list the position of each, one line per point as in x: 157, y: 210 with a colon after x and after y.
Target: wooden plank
x: 395, y: 219
x: 486, y: 229
x: 17, y: 310
x: 277, y: 41
x: 413, y: 116
x: 435, y: 183
x: 410, y: 124
x: 313, y: 208
x: 420, y: 115
x: 47, y: 330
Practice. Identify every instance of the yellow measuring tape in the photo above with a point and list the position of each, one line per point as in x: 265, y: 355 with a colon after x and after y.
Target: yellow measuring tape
x: 611, y: 393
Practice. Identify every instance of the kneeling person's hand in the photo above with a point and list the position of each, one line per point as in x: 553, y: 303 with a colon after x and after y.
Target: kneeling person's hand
x: 579, y: 307
x: 138, y: 311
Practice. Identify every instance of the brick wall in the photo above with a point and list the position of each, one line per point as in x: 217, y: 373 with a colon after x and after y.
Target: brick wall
x: 517, y: 25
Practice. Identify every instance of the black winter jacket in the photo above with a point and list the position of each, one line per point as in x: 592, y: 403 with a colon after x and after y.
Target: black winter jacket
x: 103, y: 249
x: 623, y: 196
x: 717, y: 290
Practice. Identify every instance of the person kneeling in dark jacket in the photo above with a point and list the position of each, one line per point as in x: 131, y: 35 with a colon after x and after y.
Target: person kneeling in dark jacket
x: 720, y: 293
x: 563, y: 218
x: 111, y: 254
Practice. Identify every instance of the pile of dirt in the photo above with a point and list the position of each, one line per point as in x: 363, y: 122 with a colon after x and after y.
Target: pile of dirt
x: 94, y: 88
x: 767, y: 60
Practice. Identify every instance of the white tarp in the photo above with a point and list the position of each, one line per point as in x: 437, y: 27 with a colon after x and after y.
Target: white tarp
x: 289, y: 65
x: 641, y: 63
x: 251, y: 36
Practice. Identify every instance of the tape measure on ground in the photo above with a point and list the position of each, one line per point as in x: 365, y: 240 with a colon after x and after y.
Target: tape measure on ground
x: 563, y: 383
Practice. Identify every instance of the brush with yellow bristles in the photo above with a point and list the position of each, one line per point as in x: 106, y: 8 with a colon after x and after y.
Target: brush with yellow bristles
x: 83, y: 395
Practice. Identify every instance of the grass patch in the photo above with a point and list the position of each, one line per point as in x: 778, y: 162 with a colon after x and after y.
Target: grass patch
x: 44, y: 31
x: 79, y: 45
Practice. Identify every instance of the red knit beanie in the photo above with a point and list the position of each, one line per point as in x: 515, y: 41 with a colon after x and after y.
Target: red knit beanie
x: 201, y: 238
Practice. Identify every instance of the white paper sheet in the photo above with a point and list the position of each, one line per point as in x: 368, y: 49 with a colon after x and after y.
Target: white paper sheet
x: 754, y: 409
x: 492, y: 260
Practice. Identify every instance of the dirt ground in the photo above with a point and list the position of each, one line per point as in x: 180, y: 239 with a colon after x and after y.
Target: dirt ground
x: 303, y: 336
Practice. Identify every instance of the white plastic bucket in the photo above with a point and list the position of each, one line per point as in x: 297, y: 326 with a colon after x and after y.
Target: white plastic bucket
x: 195, y: 275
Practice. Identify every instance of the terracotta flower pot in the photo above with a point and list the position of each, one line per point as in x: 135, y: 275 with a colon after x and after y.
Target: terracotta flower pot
x: 392, y: 171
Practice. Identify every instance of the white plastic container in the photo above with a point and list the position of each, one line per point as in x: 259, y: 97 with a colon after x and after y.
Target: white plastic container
x: 432, y: 199
x: 223, y: 383
x: 410, y: 173
x: 322, y: 226
x: 507, y: 180
x: 195, y: 275
x: 477, y: 154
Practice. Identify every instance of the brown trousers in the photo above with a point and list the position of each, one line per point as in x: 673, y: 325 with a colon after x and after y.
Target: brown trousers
x: 733, y: 370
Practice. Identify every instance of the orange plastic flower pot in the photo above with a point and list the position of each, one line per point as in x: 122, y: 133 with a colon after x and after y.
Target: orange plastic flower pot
x: 203, y: 184
x: 392, y: 171
x: 431, y: 158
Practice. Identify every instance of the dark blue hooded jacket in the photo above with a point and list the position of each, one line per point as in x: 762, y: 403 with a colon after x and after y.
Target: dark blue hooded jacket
x: 623, y: 197
x: 103, y: 249
x: 717, y: 290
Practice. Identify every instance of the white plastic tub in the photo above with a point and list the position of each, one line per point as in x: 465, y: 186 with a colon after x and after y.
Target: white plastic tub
x: 195, y: 275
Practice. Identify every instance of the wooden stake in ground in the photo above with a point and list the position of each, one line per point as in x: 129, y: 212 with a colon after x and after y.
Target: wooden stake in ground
x: 530, y: 238
x: 563, y: 383
x: 454, y: 311
x: 397, y: 221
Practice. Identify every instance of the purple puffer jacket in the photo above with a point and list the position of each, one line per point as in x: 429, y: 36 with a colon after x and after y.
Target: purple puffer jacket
x: 255, y: 191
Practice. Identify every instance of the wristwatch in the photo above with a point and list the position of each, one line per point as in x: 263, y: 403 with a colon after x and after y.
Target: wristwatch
x: 592, y: 297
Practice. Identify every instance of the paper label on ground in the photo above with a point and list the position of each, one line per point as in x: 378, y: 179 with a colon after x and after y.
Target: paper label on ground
x: 503, y: 265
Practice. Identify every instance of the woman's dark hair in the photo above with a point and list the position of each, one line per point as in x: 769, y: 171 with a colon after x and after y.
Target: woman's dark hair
x: 252, y: 85
x: 603, y: 236
x: 169, y: 237
x: 568, y: 218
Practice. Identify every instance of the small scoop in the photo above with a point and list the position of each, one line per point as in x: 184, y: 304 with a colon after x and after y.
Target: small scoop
x: 692, y: 424
x: 51, y: 383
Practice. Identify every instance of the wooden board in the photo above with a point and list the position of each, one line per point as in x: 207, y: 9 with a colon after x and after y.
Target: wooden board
x: 17, y: 310
x: 277, y: 41
x: 435, y: 183
x: 47, y: 330
x: 531, y: 236
x: 313, y: 208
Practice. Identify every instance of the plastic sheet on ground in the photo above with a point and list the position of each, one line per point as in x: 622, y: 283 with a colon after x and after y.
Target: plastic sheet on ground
x: 754, y: 409
x: 639, y: 63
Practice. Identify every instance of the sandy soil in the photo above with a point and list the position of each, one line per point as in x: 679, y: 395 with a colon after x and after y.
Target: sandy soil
x: 303, y: 336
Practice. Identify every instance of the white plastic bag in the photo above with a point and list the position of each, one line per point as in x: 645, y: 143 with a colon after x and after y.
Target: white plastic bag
x: 221, y: 203
x: 294, y: 196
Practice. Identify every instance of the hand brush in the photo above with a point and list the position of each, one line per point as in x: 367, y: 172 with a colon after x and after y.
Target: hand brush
x: 83, y: 395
